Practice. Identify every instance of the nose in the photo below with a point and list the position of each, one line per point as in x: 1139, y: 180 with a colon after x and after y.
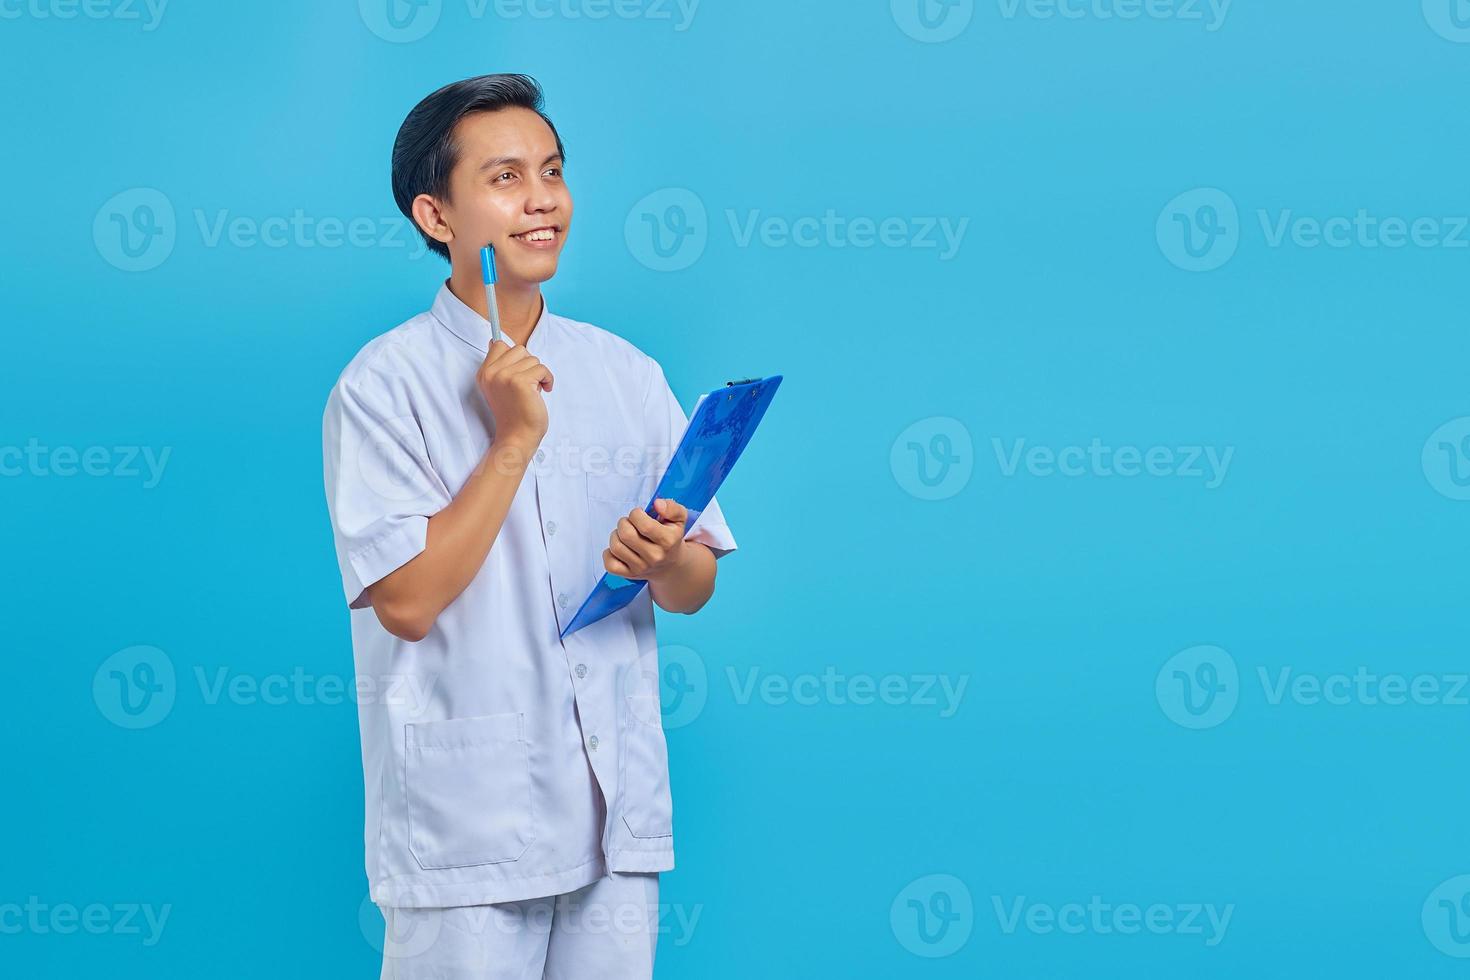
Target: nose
x: 541, y: 198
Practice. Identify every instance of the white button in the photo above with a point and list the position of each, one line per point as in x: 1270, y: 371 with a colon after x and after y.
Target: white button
x: 551, y: 527
x: 563, y: 599
x: 581, y: 670
x: 540, y: 455
x: 593, y: 742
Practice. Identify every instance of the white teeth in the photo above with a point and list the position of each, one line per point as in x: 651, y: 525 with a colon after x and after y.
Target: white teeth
x: 544, y: 235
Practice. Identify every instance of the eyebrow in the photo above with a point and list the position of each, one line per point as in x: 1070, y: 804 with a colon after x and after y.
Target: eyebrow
x: 495, y: 162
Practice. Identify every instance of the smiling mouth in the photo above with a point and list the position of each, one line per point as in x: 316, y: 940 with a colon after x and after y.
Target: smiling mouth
x: 538, y: 235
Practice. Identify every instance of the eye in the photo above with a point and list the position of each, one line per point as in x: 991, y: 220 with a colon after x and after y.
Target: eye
x: 554, y: 171
x: 506, y: 173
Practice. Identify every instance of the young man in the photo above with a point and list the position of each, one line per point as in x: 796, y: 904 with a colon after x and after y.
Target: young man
x: 518, y: 808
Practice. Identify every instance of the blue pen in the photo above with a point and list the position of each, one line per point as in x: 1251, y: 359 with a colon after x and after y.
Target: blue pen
x: 487, y: 270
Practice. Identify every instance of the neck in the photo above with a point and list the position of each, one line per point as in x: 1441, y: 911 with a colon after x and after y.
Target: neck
x: 519, y: 303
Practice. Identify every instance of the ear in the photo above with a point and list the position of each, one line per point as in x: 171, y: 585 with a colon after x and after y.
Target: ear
x: 430, y: 219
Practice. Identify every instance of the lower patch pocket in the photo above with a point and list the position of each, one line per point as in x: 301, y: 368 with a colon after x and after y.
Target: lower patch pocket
x: 647, y: 806
x: 468, y: 782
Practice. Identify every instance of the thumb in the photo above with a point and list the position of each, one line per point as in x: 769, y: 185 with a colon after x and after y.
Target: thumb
x: 496, y: 350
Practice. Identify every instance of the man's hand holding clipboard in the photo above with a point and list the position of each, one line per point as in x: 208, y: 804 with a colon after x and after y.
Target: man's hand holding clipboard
x: 648, y: 542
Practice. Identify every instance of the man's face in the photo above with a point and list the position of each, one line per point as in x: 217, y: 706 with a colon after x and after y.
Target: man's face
x: 508, y: 191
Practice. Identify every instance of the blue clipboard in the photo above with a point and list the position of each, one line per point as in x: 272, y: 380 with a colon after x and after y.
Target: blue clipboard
x: 723, y: 422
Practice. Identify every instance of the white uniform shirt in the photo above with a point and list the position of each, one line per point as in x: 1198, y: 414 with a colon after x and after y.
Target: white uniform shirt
x: 501, y: 762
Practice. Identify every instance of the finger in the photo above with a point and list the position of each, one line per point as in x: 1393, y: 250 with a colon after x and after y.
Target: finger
x: 617, y: 566
x: 628, y: 537
x: 651, y: 529
x: 643, y: 548
x: 497, y: 351
x: 671, y: 510
x: 624, y: 554
x: 509, y: 359
x: 535, y: 372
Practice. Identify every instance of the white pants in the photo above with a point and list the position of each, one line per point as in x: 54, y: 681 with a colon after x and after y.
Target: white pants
x: 605, y: 930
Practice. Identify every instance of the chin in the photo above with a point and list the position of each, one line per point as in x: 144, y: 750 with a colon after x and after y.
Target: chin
x: 539, y: 272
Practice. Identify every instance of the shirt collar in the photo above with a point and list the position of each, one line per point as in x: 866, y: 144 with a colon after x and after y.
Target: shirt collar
x: 474, y: 329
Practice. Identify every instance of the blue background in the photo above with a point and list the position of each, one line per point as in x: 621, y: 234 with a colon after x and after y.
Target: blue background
x: 1335, y: 540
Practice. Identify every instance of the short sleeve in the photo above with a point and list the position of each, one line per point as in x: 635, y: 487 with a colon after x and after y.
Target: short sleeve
x: 381, y: 487
x: 668, y: 421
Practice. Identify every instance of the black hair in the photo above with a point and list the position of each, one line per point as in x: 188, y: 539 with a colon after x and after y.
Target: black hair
x: 425, y: 151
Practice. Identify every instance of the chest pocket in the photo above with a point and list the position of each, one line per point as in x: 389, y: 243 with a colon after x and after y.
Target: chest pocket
x: 611, y: 495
